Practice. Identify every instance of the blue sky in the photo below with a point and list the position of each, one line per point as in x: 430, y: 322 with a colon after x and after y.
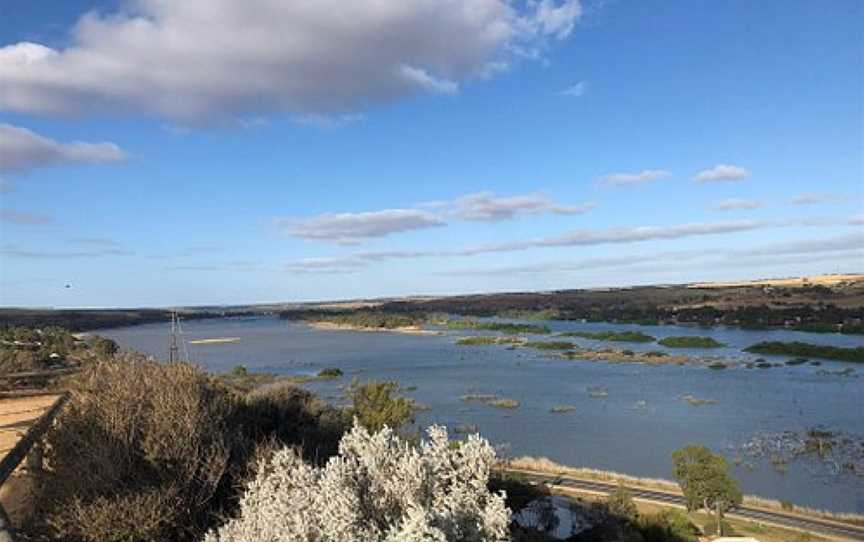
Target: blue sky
x: 161, y: 153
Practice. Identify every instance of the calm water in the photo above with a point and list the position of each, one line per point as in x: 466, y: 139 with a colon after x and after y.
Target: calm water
x: 634, y: 429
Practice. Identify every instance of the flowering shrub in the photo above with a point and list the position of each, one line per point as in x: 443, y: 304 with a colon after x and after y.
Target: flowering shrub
x: 379, y: 488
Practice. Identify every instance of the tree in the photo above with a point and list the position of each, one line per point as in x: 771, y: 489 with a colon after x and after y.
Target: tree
x: 705, y: 481
x: 380, y: 488
x: 104, y: 347
x: 376, y: 405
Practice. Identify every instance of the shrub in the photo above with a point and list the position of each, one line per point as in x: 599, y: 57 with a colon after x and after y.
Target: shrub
x: 620, y: 504
x: 330, y: 373
x: 376, y: 405
x: 691, y: 342
x: 103, y: 347
x: 616, y: 336
x: 379, y: 488
x: 668, y: 526
x: 293, y: 416
x: 140, y: 453
x: 808, y: 350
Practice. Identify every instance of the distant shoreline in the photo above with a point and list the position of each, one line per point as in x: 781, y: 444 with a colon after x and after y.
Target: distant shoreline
x: 410, y: 330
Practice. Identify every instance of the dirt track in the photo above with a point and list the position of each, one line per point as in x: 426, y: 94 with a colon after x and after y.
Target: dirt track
x: 16, y: 416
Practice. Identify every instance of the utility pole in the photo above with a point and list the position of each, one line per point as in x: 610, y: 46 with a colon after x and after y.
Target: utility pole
x: 172, y: 344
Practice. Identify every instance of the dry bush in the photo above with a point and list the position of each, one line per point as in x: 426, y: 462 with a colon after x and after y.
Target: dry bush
x: 288, y: 415
x: 142, y: 452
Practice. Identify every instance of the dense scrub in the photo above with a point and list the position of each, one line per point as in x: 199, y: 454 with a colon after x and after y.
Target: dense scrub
x: 807, y: 350
x: 26, y: 349
x: 504, y: 327
x: 691, y: 342
x: 150, y: 451
x: 615, y: 336
x: 88, y: 319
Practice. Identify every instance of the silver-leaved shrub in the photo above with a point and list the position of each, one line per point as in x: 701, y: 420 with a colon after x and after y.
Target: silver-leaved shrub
x: 379, y: 488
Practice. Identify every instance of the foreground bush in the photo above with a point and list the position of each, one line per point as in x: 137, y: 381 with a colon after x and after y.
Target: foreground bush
x: 142, y: 452
x: 286, y: 414
x: 379, y: 488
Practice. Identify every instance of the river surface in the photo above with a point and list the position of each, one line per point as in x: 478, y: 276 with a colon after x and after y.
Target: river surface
x: 633, y: 428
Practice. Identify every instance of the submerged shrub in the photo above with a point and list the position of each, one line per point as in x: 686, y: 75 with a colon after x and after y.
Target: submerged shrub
x: 379, y: 488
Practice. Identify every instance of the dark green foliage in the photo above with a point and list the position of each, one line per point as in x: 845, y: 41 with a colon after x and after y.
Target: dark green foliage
x: 691, y: 342
x: 291, y: 415
x: 330, y: 373
x: 705, y: 481
x: 102, y: 346
x: 27, y: 349
x: 362, y: 319
x: 667, y: 526
x: 376, y: 404
x: 808, y: 350
x: 503, y: 327
x: 615, y: 336
x: 519, y: 490
x: 550, y: 345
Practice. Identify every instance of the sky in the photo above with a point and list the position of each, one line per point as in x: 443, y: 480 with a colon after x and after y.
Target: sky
x: 161, y: 153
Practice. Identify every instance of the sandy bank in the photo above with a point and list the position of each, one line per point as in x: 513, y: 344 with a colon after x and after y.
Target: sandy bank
x: 220, y: 340
x: 411, y: 330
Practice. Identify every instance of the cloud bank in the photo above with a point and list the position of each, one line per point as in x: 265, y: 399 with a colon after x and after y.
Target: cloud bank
x: 351, y: 228
x: 205, y: 59
x: 22, y: 150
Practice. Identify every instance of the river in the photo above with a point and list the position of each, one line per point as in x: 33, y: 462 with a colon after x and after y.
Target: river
x: 631, y: 426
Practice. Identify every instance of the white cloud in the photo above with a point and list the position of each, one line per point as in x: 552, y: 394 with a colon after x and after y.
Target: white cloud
x: 577, y: 90
x: 351, y: 228
x: 197, y: 60
x: 583, y: 237
x: 24, y: 218
x: 422, y: 78
x: 721, y: 172
x: 814, y: 199
x: 486, y: 207
x: 796, y: 250
x: 733, y: 204
x: 640, y: 177
x: 22, y: 150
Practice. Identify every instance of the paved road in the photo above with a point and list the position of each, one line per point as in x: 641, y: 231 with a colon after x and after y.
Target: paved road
x: 816, y: 526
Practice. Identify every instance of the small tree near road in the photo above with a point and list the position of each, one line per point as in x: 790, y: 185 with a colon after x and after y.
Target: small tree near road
x: 705, y: 481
